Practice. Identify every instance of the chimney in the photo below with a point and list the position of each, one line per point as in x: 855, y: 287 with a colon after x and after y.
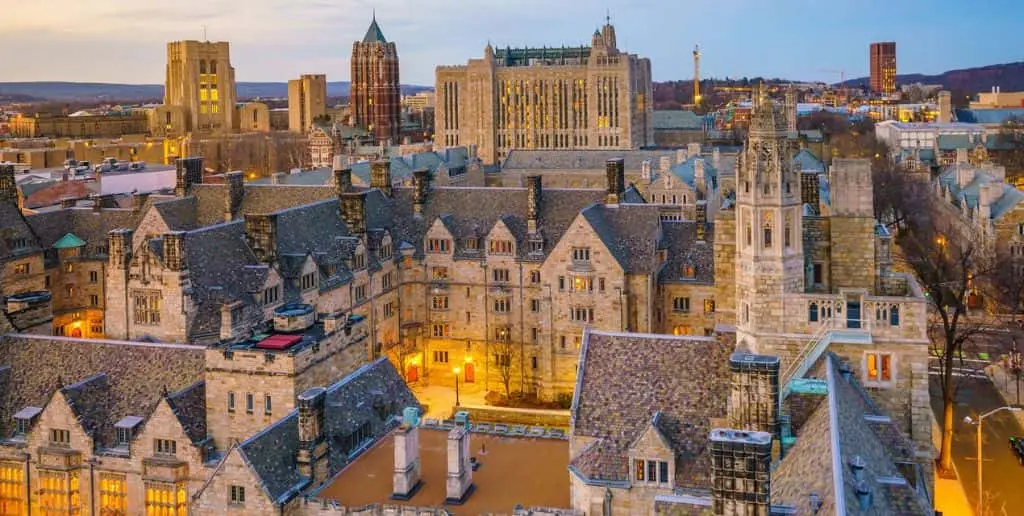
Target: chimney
x: 189, y: 171
x: 174, y: 250
x: 353, y: 211
x: 119, y: 243
x: 312, y: 456
x: 754, y: 398
x: 665, y: 164
x: 236, y: 192
x: 68, y: 202
x: 8, y: 186
x: 693, y: 149
x: 261, y: 236
x: 987, y: 194
x: 380, y: 176
x: 615, y: 174
x: 420, y: 187
x: 681, y: 156
x: 139, y: 200
x: 716, y: 158
x: 645, y: 169
x: 459, y: 484
x: 791, y: 110
x: 342, y: 176
x: 534, y: 197
x: 945, y: 107
x: 741, y: 472
x: 227, y: 322
x: 699, y: 180
x: 406, y: 478
x: 702, y: 220
x: 99, y: 200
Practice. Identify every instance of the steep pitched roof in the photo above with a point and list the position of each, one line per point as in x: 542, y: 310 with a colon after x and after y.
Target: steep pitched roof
x: 68, y: 241
x: 87, y: 224
x: 580, y: 159
x: 631, y: 232
x: 101, y: 390
x: 211, y: 199
x: 189, y: 406
x: 809, y: 163
x: 15, y: 229
x: 680, y: 240
x: 624, y: 379
x: 363, y: 397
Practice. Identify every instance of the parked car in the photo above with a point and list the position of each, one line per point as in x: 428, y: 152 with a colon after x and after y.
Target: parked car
x: 1017, y: 445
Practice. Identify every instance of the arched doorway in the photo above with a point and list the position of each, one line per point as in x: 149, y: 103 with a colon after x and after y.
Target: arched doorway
x: 470, y: 372
x: 76, y: 333
x: 412, y: 373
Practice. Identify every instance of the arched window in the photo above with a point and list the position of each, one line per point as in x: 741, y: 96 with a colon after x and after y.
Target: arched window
x: 812, y: 312
x: 894, y: 316
x: 746, y: 313
x: 213, y: 66
x: 750, y: 235
x: 202, y: 66
x: 789, y: 231
x: 767, y: 231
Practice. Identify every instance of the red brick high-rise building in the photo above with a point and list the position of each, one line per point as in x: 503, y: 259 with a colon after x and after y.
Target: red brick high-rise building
x: 376, y: 95
x: 883, y: 67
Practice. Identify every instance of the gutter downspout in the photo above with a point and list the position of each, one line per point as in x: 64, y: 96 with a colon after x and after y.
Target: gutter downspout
x: 28, y: 485
x: 522, y: 333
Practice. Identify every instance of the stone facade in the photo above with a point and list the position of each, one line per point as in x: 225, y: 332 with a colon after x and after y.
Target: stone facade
x: 201, y: 81
x: 570, y: 98
x: 307, y: 101
x: 90, y: 126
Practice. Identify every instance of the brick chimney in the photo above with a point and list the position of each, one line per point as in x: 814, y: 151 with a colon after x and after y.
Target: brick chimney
x: 380, y: 176
x: 119, y: 243
x: 754, y: 398
x: 702, y: 219
x: 261, y: 236
x: 420, y: 188
x: 353, y: 212
x: 8, y: 186
x: 236, y: 192
x: 174, y: 250
x: 342, y: 176
x: 615, y: 173
x: 645, y: 169
x: 741, y: 472
x: 188, y: 171
x: 681, y: 156
x: 312, y: 456
x: 138, y: 200
x: 665, y: 164
x: 534, y: 198
x: 699, y: 179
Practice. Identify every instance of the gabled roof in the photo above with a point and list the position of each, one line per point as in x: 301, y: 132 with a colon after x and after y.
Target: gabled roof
x: 809, y: 163
x: 189, y: 406
x: 678, y: 119
x: 631, y: 232
x: 101, y: 391
x: 687, y: 171
x: 14, y: 227
x: 86, y: 224
x: 68, y: 241
x: 580, y: 159
x: 359, y: 398
x: 614, y: 410
x: 374, y: 34
x: 680, y: 240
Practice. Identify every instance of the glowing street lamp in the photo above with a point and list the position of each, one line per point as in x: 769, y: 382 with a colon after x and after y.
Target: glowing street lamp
x: 456, y: 371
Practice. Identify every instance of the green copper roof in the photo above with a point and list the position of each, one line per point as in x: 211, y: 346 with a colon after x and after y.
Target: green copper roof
x: 373, y: 34
x: 69, y: 241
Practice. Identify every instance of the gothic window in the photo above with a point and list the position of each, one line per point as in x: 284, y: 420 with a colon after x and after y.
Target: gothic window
x: 812, y: 312
x: 750, y: 235
x: 202, y: 66
x: 788, y: 232
x: 767, y: 230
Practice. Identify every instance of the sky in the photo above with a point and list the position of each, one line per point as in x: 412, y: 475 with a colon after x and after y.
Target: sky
x: 274, y: 40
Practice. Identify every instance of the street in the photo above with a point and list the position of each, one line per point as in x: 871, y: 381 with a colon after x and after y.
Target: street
x: 1002, y: 473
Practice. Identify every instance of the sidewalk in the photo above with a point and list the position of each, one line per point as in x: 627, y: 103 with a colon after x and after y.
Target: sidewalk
x: 1007, y: 386
x: 950, y: 497
x: 440, y: 399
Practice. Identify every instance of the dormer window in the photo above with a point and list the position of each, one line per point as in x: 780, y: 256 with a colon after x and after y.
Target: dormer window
x: 688, y: 271
x: 500, y: 247
x: 126, y: 429
x: 24, y: 419
x: 473, y: 244
x: 359, y: 261
x: 438, y: 245
x: 650, y: 471
x: 387, y: 251
x: 537, y: 246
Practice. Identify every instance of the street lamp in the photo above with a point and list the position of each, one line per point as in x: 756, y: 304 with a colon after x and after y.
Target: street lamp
x: 1014, y: 364
x: 455, y: 370
x: 980, y: 420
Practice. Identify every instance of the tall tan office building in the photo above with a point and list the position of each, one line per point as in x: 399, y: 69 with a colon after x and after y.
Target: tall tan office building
x: 307, y: 100
x: 883, y: 67
x: 201, y: 81
x: 594, y: 97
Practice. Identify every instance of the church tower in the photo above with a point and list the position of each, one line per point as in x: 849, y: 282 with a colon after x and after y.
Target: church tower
x: 769, y: 250
x: 376, y: 92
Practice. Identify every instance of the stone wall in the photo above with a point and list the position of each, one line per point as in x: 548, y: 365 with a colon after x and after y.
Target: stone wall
x: 725, y: 266
x: 852, y: 252
x: 511, y: 416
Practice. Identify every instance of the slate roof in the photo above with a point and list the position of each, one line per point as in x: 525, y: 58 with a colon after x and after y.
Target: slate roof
x: 579, y: 159
x: 41, y: 194
x: 211, y: 199
x: 1008, y: 199
x: 87, y: 224
x: 950, y: 142
x: 678, y: 119
x: 809, y: 163
x: 316, y: 177
x: 101, y: 391
x: 361, y: 397
x: 826, y: 445
x: 631, y: 232
x: 680, y: 240
x: 189, y: 406
x: 13, y: 227
x: 624, y: 379
x: 686, y: 171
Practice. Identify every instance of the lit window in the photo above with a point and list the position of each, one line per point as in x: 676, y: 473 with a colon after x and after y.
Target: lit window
x: 878, y: 367
x: 439, y: 273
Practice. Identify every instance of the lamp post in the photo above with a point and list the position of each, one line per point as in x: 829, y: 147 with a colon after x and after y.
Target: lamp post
x: 456, y: 371
x: 1014, y: 365
x: 981, y: 419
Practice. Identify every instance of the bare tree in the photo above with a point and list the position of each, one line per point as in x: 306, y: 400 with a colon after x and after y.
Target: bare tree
x: 948, y: 264
x: 504, y: 352
x: 400, y: 351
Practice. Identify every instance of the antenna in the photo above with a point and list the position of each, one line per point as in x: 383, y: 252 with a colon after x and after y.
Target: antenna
x: 608, y: 16
x: 204, y: 34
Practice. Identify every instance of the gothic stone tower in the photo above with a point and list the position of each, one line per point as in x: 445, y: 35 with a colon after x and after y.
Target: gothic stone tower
x: 376, y: 95
x: 770, y: 257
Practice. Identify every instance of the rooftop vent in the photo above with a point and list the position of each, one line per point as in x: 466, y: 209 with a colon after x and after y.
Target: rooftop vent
x: 293, y: 317
x: 863, y: 495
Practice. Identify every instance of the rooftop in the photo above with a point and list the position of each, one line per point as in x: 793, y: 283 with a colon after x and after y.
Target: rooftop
x: 526, y: 471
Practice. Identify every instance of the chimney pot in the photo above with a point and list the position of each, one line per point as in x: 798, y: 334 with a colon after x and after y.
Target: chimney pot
x: 380, y: 176
x: 616, y: 177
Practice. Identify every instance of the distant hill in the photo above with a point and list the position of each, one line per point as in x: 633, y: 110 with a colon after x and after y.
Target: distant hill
x: 82, y: 91
x: 1008, y: 76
